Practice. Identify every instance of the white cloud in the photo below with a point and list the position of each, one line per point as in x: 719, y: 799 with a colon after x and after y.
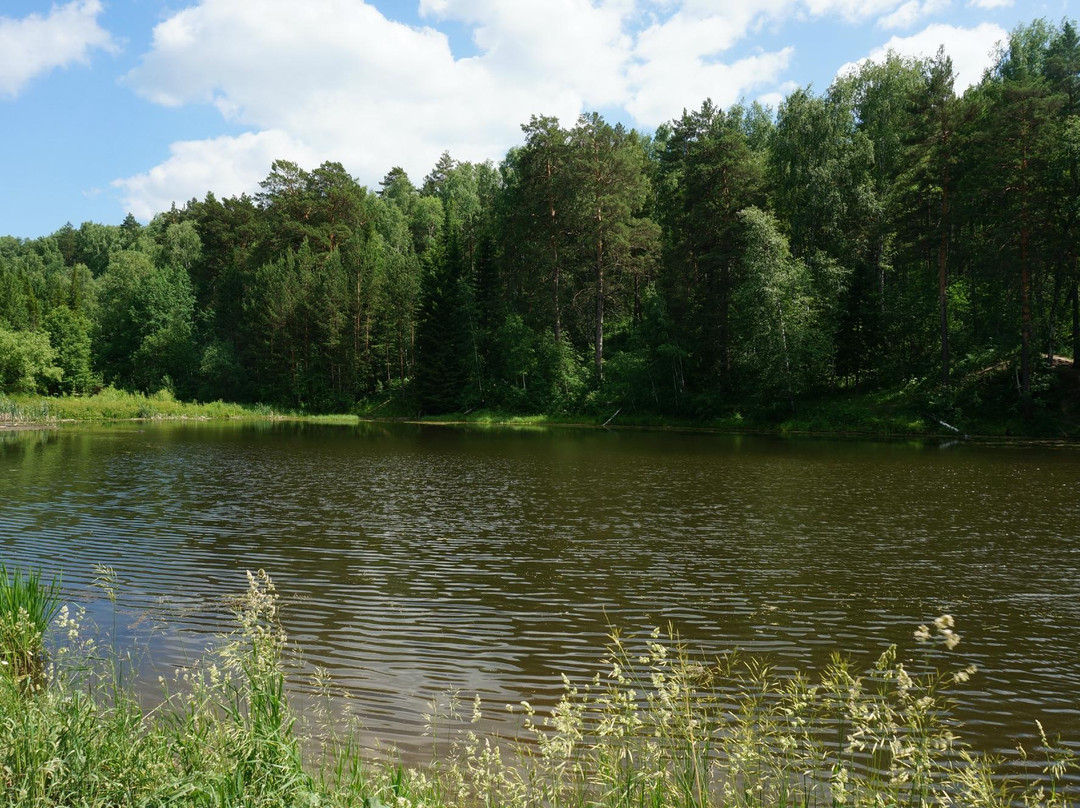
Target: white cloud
x: 695, y: 31
x: 851, y: 10
x: 990, y: 4
x: 774, y: 99
x: 971, y: 49
x: 228, y: 165
x: 575, y: 43
x: 35, y: 44
x: 337, y: 80
x: 911, y: 12
x: 684, y: 51
x: 342, y: 83
x: 653, y: 101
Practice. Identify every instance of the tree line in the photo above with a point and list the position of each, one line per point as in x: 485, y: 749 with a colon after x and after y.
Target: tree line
x: 887, y: 232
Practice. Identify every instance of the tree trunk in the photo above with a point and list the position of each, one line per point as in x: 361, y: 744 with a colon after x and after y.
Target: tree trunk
x: 599, y: 354
x: 357, y: 316
x: 1051, y: 323
x: 1076, y: 324
x: 1025, y: 290
x: 1025, y: 319
x: 725, y: 318
x: 555, y: 300
x: 553, y: 240
x: 787, y: 358
x: 943, y: 281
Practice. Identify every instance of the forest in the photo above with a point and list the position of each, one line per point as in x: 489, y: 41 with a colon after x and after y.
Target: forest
x: 888, y: 233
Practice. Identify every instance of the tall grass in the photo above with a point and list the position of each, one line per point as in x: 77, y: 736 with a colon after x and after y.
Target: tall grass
x: 27, y: 606
x: 656, y: 727
x: 113, y: 404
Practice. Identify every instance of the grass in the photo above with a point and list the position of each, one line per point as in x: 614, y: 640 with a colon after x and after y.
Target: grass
x: 27, y: 607
x: 983, y: 401
x: 111, y: 404
x: 981, y: 404
x: 839, y: 416
x: 655, y: 727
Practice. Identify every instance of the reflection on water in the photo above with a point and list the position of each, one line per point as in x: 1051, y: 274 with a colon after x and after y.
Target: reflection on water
x: 417, y: 558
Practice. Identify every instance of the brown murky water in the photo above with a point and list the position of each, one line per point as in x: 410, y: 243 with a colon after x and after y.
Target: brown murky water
x: 413, y: 559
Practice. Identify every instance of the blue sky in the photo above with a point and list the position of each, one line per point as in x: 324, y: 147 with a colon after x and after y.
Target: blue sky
x: 111, y: 106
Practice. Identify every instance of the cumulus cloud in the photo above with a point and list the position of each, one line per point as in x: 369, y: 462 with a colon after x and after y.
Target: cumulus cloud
x: 340, y: 81
x: 971, y: 49
x: 229, y: 166
x: 990, y: 4
x: 774, y: 99
x: 578, y: 44
x: 851, y: 10
x: 686, y: 51
x: 911, y: 12
x: 337, y: 80
x: 35, y: 44
x: 726, y: 84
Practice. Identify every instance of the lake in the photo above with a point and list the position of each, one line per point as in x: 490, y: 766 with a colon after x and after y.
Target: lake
x: 413, y: 559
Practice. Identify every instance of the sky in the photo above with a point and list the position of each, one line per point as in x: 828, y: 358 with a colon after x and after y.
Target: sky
x: 117, y: 106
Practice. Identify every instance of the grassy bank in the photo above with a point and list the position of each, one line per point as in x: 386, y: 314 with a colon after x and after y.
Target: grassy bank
x: 839, y: 418
x: 981, y: 402
x: 116, y: 405
x: 656, y: 727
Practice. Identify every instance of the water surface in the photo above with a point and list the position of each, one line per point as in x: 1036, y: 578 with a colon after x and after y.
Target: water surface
x: 414, y: 559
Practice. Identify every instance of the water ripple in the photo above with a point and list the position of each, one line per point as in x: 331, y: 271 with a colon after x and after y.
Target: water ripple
x: 416, y: 559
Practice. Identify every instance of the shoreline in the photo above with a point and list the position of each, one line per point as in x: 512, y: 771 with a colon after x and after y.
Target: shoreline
x: 540, y: 422
x: 885, y: 415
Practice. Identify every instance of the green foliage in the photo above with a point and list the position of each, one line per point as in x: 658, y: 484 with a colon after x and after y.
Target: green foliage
x: 220, y: 373
x: 647, y: 373
x: 445, y: 347
x: 531, y: 372
x: 598, y: 267
x: 708, y: 172
x: 145, y: 323
x: 782, y: 350
x: 69, y: 331
x: 27, y: 362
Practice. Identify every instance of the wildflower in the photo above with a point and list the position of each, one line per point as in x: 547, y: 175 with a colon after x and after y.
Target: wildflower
x: 903, y: 680
x: 952, y: 639
x: 964, y: 675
